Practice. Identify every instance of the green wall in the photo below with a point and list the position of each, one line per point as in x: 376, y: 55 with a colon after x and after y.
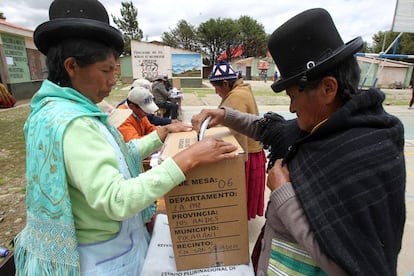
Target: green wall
x: 16, y: 58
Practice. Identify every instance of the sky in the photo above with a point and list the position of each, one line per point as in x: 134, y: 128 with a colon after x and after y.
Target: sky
x: 352, y: 17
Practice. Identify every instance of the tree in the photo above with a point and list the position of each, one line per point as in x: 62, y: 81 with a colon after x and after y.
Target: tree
x: 382, y: 40
x: 184, y: 36
x: 128, y: 25
x: 2, y: 16
x: 253, y: 37
x: 365, y: 48
x: 218, y: 35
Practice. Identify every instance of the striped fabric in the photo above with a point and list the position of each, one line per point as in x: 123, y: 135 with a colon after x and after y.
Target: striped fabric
x: 290, y: 259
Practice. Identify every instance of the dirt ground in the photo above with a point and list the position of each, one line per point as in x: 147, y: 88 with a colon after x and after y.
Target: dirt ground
x: 12, y: 211
x: 12, y: 178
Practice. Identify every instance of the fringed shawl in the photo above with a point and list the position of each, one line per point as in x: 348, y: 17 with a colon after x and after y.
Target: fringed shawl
x: 350, y: 177
x: 48, y: 245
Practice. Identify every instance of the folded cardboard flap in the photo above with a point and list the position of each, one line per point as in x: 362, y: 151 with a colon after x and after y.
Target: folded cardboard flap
x: 207, y: 213
x: 175, y: 142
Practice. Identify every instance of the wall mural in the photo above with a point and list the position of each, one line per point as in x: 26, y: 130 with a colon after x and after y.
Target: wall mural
x: 186, y: 65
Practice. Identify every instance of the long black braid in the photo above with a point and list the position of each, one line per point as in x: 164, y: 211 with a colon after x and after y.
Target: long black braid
x: 277, y: 136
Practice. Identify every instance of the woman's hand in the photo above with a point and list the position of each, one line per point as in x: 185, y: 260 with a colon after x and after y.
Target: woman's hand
x: 278, y: 175
x: 217, y: 117
x: 178, y: 127
x: 171, y: 128
x: 207, y: 151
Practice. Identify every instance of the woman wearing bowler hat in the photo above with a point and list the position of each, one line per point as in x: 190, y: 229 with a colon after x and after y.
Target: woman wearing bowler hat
x: 87, y: 204
x: 337, y: 171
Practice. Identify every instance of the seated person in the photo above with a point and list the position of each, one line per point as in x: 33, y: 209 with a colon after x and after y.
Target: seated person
x: 167, y: 84
x: 154, y: 119
x: 160, y: 121
x: 141, y: 103
x: 141, y: 82
x: 162, y: 98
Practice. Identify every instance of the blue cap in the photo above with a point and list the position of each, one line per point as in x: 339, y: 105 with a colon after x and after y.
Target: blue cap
x: 222, y: 71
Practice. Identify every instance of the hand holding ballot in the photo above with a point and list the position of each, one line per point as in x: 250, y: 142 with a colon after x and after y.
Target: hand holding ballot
x: 217, y: 117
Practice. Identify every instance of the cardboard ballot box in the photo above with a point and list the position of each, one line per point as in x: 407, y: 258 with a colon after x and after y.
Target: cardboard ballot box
x: 207, y: 213
x: 160, y: 257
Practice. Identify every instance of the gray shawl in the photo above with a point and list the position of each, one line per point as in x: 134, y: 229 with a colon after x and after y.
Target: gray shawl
x: 350, y: 177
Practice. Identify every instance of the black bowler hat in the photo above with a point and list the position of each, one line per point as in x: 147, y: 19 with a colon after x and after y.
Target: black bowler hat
x: 77, y: 19
x: 308, y: 45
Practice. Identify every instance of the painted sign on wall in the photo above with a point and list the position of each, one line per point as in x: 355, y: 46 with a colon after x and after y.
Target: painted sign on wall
x: 149, y: 60
x: 16, y: 58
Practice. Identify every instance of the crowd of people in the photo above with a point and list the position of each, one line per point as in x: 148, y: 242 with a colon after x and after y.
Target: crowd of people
x: 336, y: 173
